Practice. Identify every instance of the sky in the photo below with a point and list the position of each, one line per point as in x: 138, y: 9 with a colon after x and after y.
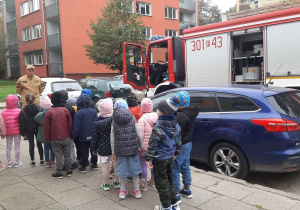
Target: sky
x: 224, y: 5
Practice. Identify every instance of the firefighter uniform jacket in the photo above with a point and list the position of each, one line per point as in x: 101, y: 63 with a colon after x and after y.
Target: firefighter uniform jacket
x: 32, y: 85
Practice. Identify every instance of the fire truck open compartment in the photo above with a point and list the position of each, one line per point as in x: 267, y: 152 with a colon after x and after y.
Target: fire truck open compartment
x: 247, y: 53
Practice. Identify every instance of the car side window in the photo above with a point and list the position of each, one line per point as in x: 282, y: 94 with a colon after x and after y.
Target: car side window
x: 90, y: 84
x: 155, y: 100
x: 205, y: 101
x: 235, y: 103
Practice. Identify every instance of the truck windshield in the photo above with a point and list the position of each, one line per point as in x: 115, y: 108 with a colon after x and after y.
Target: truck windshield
x: 286, y: 103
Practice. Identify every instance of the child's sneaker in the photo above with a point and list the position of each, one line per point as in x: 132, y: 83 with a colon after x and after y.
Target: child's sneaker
x: 47, y: 164
x: 116, y: 185
x: 105, y: 186
x: 32, y: 163
x: 143, y: 185
x: 136, y: 194
x: 52, y: 164
x: 2, y: 166
x: 10, y: 164
x: 151, y: 183
x: 186, y: 193
x: 18, y: 164
x: 94, y: 167
x: 42, y: 162
x: 175, y: 207
x: 69, y: 173
x: 160, y: 207
x: 122, y: 194
x: 128, y: 179
x: 58, y: 175
x: 82, y: 169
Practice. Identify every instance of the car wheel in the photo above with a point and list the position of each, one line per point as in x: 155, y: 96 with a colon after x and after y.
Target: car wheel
x: 229, y: 160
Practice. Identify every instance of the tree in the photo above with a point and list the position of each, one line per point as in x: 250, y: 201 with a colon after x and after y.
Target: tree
x: 231, y: 10
x: 118, y: 24
x: 208, y: 13
x: 3, y: 50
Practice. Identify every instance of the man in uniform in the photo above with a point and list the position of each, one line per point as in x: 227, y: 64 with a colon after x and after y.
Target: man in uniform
x: 30, y: 83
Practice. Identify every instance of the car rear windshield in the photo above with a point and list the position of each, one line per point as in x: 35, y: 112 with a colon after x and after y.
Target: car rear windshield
x: 70, y: 86
x: 286, y: 103
x: 113, y: 85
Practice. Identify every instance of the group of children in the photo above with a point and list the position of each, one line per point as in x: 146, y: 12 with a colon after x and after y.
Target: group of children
x: 129, y: 139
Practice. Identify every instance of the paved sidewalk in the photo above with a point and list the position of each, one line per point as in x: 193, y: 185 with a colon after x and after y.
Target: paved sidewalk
x: 2, y: 105
x: 34, y: 188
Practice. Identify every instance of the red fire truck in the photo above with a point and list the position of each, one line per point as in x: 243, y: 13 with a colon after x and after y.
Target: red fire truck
x: 250, y: 50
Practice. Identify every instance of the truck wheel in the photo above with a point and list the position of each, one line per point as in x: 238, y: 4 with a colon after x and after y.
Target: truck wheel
x: 229, y: 160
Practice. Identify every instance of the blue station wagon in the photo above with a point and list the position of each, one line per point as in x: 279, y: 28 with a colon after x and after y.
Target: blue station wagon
x: 242, y: 128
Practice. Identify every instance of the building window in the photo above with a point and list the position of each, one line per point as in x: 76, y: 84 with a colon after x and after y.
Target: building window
x: 34, y: 5
x: 24, y: 7
x: 147, y: 33
x: 171, y: 13
x: 143, y: 8
x: 28, y: 59
x: 26, y: 34
x: 38, y: 58
x: 36, y: 31
x: 171, y: 33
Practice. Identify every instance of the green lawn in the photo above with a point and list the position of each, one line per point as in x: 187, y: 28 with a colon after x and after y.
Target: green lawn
x: 6, y: 87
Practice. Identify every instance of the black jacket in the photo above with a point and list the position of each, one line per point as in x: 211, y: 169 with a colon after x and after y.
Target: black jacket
x: 185, y: 118
x: 101, y: 136
x: 27, y: 122
x: 64, y: 98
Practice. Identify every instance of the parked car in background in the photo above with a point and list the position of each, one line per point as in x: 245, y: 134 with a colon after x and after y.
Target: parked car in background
x: 55, y: 84
x: 105, y: 87
x: 245, y: 128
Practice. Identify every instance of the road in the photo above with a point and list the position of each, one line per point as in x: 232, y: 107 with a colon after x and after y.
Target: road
x: 287, y: 182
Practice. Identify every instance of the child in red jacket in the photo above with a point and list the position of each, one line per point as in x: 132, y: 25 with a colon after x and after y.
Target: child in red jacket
x: 58, y: 126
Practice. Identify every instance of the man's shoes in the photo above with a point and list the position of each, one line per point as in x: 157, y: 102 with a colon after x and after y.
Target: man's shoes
x: 32, y: 163
x: 175, y: 207
x: 105, y: 186
x: 74, y: 166
x: 58, y: 175
x: 69, y: 173
x: 116, y: 185
x: 186, y: 193
x: 82, y: 169
x: 94, y: 167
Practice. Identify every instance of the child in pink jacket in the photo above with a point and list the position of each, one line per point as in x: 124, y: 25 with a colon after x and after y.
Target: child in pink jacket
x: 2, y: 134
x: 11, y: 118
x: 146, y: 124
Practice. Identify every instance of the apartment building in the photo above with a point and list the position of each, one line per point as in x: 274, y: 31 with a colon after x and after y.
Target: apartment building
x: 188, y: 14
x: 251, y: 4
x: 51, y: 34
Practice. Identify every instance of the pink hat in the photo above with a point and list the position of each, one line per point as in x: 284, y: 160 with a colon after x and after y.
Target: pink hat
x: 105, y: 107
x: 46, y: 103
x: 146, y: 105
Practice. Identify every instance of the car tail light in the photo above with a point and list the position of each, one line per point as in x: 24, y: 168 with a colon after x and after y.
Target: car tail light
x: 107, y: 94
x: 49, y: 95
x: 277, y: 124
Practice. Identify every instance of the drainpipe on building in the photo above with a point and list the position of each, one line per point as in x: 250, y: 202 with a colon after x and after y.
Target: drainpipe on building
x: 45, y: 40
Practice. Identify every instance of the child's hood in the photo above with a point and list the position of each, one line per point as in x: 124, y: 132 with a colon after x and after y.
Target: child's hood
x: 168, y: 124
x: 103, y: 124
x: 32, y: 109
x: 83, y: 101
x: 122, y: 115
x: 151, y: 118
x: 11, y: 101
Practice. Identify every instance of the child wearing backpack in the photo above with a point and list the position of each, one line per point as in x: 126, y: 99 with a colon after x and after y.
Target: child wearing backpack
x: 101, y: 141
x: 125, y: 143
x: 11, y: 129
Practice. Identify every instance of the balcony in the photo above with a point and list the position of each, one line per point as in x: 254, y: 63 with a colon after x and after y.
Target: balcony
x: 10, y: 5
x: 11, y: 25
x: 56, y: 69
x: 52, y: 11
x: 187, y: 6
x: 13, y: 49
x: 15, y: 71
x: 54, y: 41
